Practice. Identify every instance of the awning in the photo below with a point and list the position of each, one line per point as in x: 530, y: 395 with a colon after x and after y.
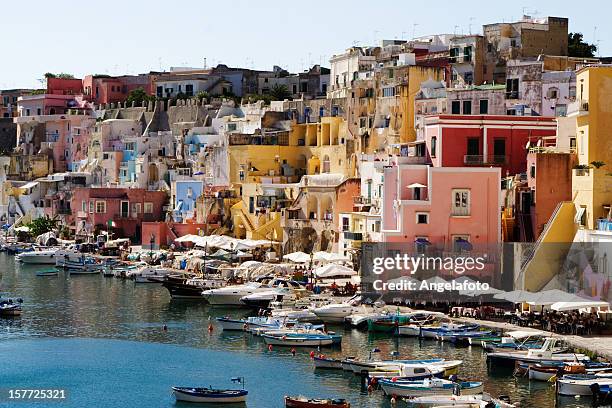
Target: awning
x: 29, y: 185
x: 416, y: 185
x: 564, y: 306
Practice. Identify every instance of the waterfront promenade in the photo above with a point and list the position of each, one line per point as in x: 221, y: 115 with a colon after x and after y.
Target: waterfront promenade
x: 599, y: 346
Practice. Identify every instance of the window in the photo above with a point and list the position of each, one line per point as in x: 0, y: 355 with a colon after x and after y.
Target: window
x: 345, y: 223
x: 100, y: 207
x: 512, y: 88
x: 91, y: 207
x: 189, y: 90
x: 467, y: 107
x: 434, y: 143
x: 160, y: 91
x: 148, y: 208
x: 125, y: 209
x: 513, y: 43
x: 453, y: 54
x: 467, y: 54
x: 241, y: 175
x: 572, y: 92
x: 460, y: 205
x: 484, y: 106
x: 473, y: 146
x: 560, y: 110
x: 84, y: 206
x: 422, y: 218
x: 489, y: 47
x: 231, y: 127
x: 456, y: 107
x: 552, y: 93
x: 390, y: 91
x: 461, y: 243
x: 137, y: 209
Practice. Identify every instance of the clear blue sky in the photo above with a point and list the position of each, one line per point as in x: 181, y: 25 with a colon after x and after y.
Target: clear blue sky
x: 131, y: 36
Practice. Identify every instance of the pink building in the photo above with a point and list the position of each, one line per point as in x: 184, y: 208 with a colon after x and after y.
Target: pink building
x: 121, y: 210
x: 64, y: 86
x: 441, y: 205
x: 106, y: 89
x: 486, y: 140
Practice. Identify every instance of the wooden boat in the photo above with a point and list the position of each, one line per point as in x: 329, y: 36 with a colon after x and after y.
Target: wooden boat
x: 211, y: 395
x: 189, y: 394
x: 429, y: 386
x: 329, y: 363
x: 48, y: 272
x: 303, y: 402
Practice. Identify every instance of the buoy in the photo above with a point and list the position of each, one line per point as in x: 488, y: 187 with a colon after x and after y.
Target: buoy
x: 293, y: 351
x: 312, y: 354
x: 210, y: 327
x: 269, y: 347
x: 165, y: 328
x: 393, y: 400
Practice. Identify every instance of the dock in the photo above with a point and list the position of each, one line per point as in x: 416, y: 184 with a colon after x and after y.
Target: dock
x: 594, y: 346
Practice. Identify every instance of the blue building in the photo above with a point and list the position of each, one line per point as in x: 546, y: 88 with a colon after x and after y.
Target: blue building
x: 186, y: 193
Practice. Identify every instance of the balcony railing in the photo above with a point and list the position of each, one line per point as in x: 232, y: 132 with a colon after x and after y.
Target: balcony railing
x: 460, y: 211
x: 477, y: 159
x: 354, y: 236
x: 361, y: 200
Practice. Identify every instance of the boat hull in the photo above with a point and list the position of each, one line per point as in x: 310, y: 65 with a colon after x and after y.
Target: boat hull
x: 235, y: 397
x: 327, y: 363
x: 297, y: 402
x: 297, y: 341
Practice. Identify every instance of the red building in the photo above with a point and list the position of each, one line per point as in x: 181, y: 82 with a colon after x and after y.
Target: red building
x: 64, y: 86
x: 107, y: 89
x: 486, y: 140
x: 120, y: 210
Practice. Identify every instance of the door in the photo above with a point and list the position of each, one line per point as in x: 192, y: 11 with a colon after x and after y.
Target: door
x: 125, y: 209
x: 251, y: 205
x: 473, y: 147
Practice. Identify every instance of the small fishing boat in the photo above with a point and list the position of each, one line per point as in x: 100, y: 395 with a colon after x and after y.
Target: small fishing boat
x: 229, y: 324
x: 303, y: 402
x: 429, y: 386
x: 10, y: 307
x: 48, y: 272
x: 431, y: 332
x: 321, y: 361
x: 463, y: 401
x: 389, y: 365
x: 461, y: 337
x: 299, y: 339
x: 211, y: 395
x: 580, y: 384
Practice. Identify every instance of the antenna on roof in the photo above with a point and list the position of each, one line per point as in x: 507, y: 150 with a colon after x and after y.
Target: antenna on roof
x: 470, y: 25
x: 414, y: 26
x: 205, y: 66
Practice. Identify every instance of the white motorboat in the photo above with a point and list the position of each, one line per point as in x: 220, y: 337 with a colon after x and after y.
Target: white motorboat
x: 283, y: 295
x: 149, y: 274
x: 337, y: 312
x: 301, y: 315
x: 231, y: 295
x: 299, y: 339
x: 580, y: 384
x: 545, y: 353
x: 364, y: 313
x: 328, y: 363
x: 42, y: 257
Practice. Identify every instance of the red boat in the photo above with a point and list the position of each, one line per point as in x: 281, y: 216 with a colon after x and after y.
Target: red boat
x: 303, y: 402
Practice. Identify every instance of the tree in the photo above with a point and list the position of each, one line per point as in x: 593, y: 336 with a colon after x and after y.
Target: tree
x: 577, y: 47
x: 41, y: 225
x: 250, y: 98
x: 61, y: 75
x: 202, y: 95
x: 138, y: 96
x: 280, y: 92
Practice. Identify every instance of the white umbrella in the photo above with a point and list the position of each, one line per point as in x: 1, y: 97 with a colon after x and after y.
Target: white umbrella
x: 297, y: 257
x: 332, y: 269
x: 549, y: 297
x: 516, y: 296
x: 188, y: 238
x: 405, y: 279
x: 564, y: 306
x: 435, y: 280
x: 328, y: 257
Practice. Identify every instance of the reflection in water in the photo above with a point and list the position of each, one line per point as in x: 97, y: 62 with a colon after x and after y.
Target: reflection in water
x: 106, y: 308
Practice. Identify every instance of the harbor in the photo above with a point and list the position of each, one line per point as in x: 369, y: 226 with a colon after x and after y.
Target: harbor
x: 117, y: 329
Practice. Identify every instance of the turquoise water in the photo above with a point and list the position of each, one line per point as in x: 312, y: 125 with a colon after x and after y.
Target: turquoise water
x: 101, y: 339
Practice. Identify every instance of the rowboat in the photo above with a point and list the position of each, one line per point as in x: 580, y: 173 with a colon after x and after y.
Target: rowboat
x: 580, y: 384
x: 329, y: 363
x: 429, y: 386
x: 461, y: 337
x: 192, y: 394
x: 48, y: 272
x: 431, y: 332
x: 211, y: 395
x: 303, y: 402
x: 463, y: 401
x: 10, y: 307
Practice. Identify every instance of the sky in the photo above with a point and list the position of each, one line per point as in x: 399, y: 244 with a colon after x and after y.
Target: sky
x: 133, y: 36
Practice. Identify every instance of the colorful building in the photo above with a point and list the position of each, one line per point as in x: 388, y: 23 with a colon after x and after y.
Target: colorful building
x: 481, y: 140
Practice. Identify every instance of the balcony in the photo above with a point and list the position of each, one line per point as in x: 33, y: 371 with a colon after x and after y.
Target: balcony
x: 361, y: 200
x: 353, y: 236
x: 479, y: 160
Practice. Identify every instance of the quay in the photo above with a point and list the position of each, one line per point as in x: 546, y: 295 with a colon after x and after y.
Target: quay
x: 594, y: 346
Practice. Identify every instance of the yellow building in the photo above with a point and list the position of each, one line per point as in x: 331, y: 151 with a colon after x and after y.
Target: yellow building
x: 592, y: 181
x: 265, y: 170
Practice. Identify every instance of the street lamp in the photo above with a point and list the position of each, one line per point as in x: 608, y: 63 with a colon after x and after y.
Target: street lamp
x: 151, y: 241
